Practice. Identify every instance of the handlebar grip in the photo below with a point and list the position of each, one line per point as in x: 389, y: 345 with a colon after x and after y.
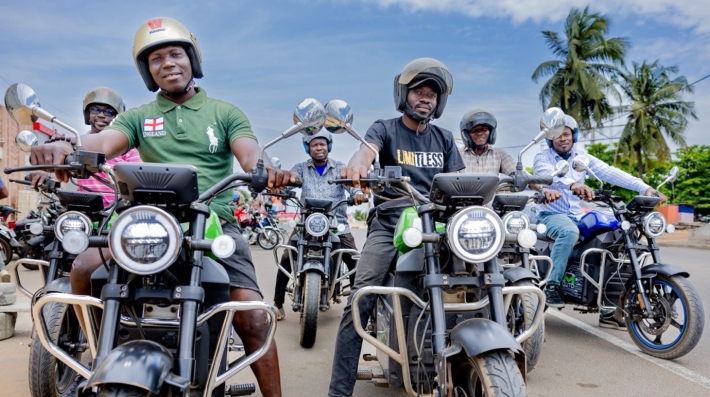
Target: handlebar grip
x: 540, y: 180
x: 298, y: 183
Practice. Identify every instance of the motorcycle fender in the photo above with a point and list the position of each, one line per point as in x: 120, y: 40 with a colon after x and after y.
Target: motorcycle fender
x: 6, y: 235
x: 59, y: 285
x: 36, y: 240
x: 664, y: 269
x: 479, y: 335
x: 140, y: 363
x: 313, y: 265
x: 515, y: 274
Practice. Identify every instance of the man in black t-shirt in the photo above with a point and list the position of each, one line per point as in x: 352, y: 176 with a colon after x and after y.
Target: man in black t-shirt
x: 422, y: 150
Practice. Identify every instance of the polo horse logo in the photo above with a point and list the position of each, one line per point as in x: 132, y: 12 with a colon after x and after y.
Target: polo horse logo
x: 212, y: 137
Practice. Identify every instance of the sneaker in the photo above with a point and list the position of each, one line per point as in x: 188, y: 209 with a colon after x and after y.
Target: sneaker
x: 280, y: 314
x: 4, y: 276
x: 607, y: 320
x: 553, y: 297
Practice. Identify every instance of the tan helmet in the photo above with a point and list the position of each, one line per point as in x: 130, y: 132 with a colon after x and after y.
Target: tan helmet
x: 158, y: 32
x: 104, y: 96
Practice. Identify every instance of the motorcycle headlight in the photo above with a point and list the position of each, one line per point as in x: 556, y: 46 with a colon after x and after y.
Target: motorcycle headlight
x: 475, y: 234
x: 317, y: 224
x: 515, y: 222
x: 145, y: 240
x: 654, y: 224
x: 72, y: 220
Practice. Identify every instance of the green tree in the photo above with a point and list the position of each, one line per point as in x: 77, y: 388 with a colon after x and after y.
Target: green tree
x: 693, y: 184
x: 656, y: 110
x: 581, y: 77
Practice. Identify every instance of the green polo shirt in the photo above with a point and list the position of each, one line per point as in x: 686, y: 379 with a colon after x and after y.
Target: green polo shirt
x: 198, y: 132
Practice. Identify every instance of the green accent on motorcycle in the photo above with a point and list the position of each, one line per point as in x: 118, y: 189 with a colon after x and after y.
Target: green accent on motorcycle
x: 405, y: 221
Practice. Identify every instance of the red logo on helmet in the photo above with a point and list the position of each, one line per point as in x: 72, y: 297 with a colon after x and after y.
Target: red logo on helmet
x: 155, y: 24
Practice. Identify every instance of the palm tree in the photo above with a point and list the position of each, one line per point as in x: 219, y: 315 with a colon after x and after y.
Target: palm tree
x: 656, y: 109
x: 581, y: 77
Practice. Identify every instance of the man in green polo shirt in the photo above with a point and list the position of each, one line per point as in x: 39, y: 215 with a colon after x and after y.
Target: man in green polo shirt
x: 184, y: 126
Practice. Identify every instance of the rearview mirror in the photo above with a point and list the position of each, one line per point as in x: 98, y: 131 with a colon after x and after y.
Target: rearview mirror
x: 311, y: 115
x: 553, y: 123
x: 25, y: 140
x: 561, y: 168
x: 338, y: 116
x: 20, y: 102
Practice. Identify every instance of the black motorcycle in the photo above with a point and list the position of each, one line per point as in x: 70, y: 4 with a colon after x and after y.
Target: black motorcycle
x: 617, y: 264
x: 163, y: 302
x: 317, y: 255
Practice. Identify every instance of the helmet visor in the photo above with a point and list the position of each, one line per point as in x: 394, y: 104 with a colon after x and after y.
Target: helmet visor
x: 430, y: 66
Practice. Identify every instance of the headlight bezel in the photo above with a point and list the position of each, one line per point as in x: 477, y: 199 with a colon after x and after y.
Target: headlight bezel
x: 313, y: 218
x: 88, y: 226
x: 515, y: 215
x: 126, y: 218
x: 458, y: 219
x: 647, y: 224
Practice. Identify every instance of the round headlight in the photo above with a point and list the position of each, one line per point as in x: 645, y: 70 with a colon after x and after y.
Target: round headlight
x: 475, y: 234
x: 654, y: 224
x: 75, y: 242
x: 145, y: 240
x: 72, y: 220
x: 317, y: 224
x: 515, y: 222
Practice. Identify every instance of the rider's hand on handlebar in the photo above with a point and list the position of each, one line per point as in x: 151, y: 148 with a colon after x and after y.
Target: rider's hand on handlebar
x: 52, y: 154
x: 279, y: 178
x: 360, y: 198
x: 550, y: 195
x: 355, y: 173
x: 653, y: 192
x: 37, y: 178
x: 582, y: 191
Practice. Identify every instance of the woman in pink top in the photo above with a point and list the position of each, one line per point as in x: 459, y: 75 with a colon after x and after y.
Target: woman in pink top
x: 101, y: 106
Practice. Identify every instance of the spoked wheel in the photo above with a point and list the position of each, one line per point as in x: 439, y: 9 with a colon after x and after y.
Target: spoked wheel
x: 677, y: 322
x: 490, y: 374
x: 309, y: 309
x: 520, y: 316
x: 49, y: 377
x: 269, y: 238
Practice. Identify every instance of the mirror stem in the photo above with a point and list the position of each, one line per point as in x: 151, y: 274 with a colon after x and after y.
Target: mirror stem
x: 525, y: 149
x: 357, y: 136
x: 292, y: 130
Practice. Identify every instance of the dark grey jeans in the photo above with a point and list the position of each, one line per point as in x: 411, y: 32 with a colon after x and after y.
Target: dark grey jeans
x: 377, y: 256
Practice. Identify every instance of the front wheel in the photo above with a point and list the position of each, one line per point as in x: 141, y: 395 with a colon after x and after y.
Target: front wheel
x: 309, y: 309
x: 489, y: 374
x: 677, y: 321
x: 49, y: 377
x: 32, y: 252
x: 520, y: 316
x: 269, y: 238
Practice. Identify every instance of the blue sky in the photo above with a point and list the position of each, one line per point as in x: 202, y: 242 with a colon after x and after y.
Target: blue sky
x: 266, y: 56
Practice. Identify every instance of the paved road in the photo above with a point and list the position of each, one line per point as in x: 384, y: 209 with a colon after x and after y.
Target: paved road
x: 578, y: 358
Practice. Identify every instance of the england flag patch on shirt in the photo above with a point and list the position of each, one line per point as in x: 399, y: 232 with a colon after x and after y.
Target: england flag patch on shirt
x: 153, y: 127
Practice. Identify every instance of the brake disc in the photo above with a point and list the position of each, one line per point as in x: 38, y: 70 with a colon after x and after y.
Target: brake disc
x: 662, y: 309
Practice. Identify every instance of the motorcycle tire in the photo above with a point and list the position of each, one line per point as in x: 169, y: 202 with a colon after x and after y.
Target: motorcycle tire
x: 269, y: 238
x: 49, y: 377
x: 6, y: 250
x: 685, y: 320
x: 520, y: 315
x: 31, y: 252
x: 490, y: 374
x: 309, y: 309
x: 115, y: 390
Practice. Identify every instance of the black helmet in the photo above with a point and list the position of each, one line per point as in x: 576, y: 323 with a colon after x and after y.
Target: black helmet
x: 474, y: 117
x: 416, y: 73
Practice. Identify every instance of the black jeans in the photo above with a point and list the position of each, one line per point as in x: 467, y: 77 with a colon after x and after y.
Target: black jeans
x: 346, y: 241
x: 377, y: 256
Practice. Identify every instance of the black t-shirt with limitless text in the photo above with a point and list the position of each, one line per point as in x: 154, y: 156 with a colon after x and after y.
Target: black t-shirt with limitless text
x: 421, y: 155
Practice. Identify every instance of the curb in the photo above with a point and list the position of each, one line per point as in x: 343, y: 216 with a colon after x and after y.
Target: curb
x: 700, y: 245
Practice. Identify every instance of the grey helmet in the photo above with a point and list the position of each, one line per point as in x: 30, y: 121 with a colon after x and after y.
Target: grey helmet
x: 474, y: 117
x: 571, y: 123
x: 414, y: 74
x: 324, y: 134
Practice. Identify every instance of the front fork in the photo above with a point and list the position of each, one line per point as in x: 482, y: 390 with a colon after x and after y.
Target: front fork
x: 631, y: 250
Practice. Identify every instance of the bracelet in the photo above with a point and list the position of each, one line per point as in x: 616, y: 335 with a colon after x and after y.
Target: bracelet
x: 59, y: 138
